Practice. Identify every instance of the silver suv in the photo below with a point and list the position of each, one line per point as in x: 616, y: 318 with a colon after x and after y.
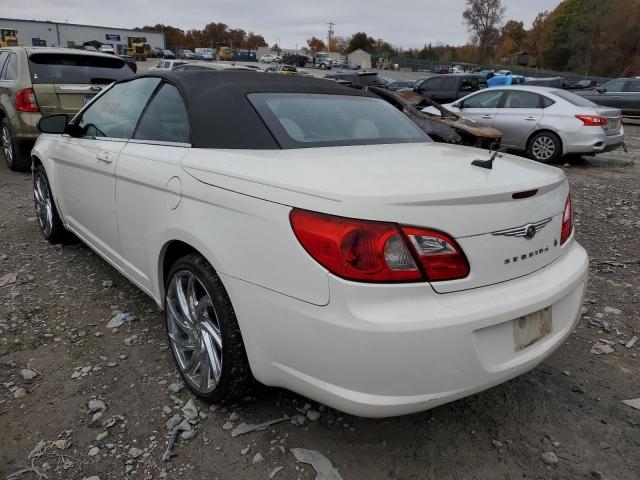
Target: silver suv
x: 37, y: 81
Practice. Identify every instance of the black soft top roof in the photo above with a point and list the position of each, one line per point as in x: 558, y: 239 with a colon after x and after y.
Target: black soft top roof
x: 220, y: 114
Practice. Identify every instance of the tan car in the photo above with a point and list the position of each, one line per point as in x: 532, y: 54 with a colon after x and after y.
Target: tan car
x: 37, y: 81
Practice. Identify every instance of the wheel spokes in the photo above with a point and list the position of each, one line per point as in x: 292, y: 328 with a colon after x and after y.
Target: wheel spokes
x: 211, y: 339
x: 177, y: 317
x: 191, y: 366
x: 205, y: 367
x: 184, y: 343
x: 182, y: 300
x: 193, y: 331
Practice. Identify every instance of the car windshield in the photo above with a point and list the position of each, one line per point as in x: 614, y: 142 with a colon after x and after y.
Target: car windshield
x: 73, y: 68
x: 574, y: 99
x: 299, y: 120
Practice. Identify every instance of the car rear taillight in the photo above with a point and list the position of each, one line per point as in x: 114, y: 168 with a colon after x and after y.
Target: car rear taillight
x: 593, y: 120
x: 439, y: 255
x: 26, y: 101
x: 378, y: 252
x: 567, y: 221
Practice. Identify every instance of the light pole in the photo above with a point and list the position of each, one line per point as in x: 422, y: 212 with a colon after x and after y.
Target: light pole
x: 329, y: 35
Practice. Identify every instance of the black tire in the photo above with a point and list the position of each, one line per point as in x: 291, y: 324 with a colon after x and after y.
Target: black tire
x: 16, y: 160
x: 235, y: 374
x: 544, y: 147
x: 51, y: 225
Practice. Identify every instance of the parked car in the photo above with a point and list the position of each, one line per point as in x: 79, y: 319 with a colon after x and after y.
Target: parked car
x: 294, y: 58
x: 212, y: 66
x: 545, y: 122
x: 167, y: 65
x: 401, y: 85
x: 448, y: 88
x: 37, y: 81
x: 443, y: 126
x: 270, y: 58
x: 89, y: 48
x: 168, y: 54
x: 186, y: 54
x: 282, y: 69
x: 358, y: 80
x: 204, y: 54
x: 348, y: 65
x: 107, y: 49
x: 623, y: 93
x: 504, y: 80
x: 486, y: 73
x: 408, y: 272
x: 504, y: 73
x: 552, y: 82
x: 441, y: 69
x: 582, y: 84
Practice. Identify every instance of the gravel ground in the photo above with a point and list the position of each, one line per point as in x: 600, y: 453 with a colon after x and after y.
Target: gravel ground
x: 563, y: 420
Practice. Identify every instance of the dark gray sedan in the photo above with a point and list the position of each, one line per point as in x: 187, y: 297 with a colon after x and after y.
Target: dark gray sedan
x: 623, y: 93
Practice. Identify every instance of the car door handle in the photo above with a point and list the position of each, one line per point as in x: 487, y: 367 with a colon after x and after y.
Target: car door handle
x: 530, y: 118
x: 104, y: 157
x: 487, y: 116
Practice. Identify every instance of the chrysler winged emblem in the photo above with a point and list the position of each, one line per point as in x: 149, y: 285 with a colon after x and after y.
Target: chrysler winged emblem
x: 527, y: 231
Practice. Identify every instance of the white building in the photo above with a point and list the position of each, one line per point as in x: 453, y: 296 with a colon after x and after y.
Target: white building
x: 36, y: 32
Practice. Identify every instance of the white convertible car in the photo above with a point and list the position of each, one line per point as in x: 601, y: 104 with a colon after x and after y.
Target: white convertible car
x: 312, y: 236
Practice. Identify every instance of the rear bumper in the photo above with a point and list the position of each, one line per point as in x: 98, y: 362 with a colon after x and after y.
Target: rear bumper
x: 592, y: 140
x: 385, y: 350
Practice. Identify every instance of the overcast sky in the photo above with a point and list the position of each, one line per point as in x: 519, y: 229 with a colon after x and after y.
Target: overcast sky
x: 408, y: 23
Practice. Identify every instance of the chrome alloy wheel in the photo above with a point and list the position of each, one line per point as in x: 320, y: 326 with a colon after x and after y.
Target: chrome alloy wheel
x: 7, y: 145
x: 194, y: 331
x: 543, y: 148
x: 44, y: 205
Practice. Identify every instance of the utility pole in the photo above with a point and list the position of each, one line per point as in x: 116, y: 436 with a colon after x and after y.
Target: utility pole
x: 329, y: 36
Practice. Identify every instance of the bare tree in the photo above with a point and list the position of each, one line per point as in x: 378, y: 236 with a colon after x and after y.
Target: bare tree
x: 483, y: 19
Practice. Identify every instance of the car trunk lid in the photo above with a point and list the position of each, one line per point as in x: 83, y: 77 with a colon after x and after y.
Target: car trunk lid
x: 64, y: 82
x: 424, y: 185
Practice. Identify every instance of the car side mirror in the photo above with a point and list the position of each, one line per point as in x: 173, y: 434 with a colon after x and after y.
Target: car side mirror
x: 54, y: 123
x: 601, y: 90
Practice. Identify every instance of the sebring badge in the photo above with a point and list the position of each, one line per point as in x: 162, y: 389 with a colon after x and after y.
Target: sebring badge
x: 528, y: 231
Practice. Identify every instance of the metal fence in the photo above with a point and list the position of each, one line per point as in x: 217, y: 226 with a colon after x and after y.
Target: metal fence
x: 418, y: 64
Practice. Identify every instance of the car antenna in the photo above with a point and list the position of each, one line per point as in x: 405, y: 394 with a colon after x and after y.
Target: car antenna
x: 488, y: 164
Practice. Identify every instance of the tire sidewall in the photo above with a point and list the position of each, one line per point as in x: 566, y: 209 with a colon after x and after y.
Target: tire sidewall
x: 11, y: 163
x: 556, y: 141
x: 225, y: 315
x: 58, y: 234
x: 39, y: 170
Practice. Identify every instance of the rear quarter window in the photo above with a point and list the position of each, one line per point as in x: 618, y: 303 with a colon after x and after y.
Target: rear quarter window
x: 76, y: 68
x: 10, y: 71
x: 316, y: 120
x: 574, y: 99
x: 633, y: 86
x: 3, y: 59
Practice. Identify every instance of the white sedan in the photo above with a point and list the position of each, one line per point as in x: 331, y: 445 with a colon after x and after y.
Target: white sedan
x: 547, y: 123
x: 166, y: 65
x: 270, y: 58
x: 313, y: 237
